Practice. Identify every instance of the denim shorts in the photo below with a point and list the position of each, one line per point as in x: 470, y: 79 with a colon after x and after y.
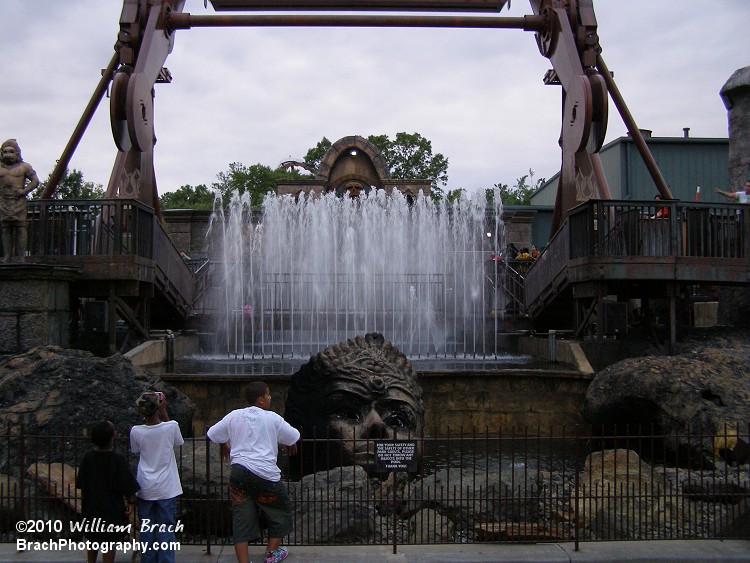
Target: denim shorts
x: 251, y: 495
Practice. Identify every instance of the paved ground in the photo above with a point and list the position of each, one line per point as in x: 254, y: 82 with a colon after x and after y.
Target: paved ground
x: 667, y: 550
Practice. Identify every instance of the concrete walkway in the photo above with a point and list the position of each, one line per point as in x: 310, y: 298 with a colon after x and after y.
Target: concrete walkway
x: 657, y: 550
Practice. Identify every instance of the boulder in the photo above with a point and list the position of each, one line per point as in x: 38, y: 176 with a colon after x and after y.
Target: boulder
x: 335, y: 506
x: 696, y: 400
x: 54, y: 391
x: 58, y: 480
x: 469, y: 496
x: 429, y: 526
x: 621, y: 496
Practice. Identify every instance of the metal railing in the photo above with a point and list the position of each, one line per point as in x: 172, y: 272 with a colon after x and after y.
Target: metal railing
x: 642, y: 230
x: 470, y: 487
x: 659, y: 228
x: 90, y: 228
x: 85, y: 232
x: 506, y: 277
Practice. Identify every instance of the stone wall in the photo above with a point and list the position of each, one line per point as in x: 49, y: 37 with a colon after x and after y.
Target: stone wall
x: 34, y: 306
x: 187, y: 228
x: 736, y: 97
x: 457, y: 400
x: 518, y: 227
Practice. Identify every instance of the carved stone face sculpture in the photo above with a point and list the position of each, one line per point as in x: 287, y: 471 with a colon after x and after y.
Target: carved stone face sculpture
x: 353, y: 394
x: 11, y: 153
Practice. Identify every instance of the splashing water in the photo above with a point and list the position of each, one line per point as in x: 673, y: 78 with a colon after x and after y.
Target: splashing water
x: 314, y: 271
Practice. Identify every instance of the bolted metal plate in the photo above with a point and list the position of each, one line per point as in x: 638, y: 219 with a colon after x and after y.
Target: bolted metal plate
x: 577, y: 114
x: 140, y: 112
x: 118, y: 112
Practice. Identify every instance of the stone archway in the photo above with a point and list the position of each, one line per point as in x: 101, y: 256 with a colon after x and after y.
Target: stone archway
x: 349, y: 159
x: 353, y: 166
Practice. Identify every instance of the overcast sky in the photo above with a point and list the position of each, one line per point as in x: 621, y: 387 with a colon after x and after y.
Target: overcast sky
x: 263, y: 95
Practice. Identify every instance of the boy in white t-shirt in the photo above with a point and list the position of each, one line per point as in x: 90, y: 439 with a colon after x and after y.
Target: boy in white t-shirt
x: 157, y: 475
x: 250, y: 438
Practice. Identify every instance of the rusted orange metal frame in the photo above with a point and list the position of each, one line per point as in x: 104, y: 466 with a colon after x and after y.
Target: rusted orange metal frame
x: 174, y: 21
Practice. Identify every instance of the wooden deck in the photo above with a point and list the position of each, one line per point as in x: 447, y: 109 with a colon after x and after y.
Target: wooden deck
x: 623, y: 249
x: 124, y: 255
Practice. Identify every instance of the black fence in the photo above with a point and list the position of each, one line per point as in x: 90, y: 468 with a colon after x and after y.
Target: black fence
x: 493, y: 486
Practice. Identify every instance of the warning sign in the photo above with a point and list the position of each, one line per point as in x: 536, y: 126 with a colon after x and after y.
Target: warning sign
x: 396, y: 455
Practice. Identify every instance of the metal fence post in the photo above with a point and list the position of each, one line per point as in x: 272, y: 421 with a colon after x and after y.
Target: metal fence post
x: 576, y: 484
x: 208, y: 493
x: 552, y: 342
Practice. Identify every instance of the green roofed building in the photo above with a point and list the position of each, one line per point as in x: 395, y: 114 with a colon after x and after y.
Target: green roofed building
x: 685, y: 163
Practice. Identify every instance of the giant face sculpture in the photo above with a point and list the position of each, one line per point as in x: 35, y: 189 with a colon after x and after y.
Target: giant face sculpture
x: 348, y: 396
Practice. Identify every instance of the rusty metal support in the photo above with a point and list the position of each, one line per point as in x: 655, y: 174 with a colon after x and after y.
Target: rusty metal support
x: 174, y: 21
x: 368, y: 5
x: 635, y: 133
x: 83, y: 123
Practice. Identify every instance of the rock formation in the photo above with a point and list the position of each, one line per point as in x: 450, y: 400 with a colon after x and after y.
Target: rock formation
x: 51, y: 390
x: 693, y: 399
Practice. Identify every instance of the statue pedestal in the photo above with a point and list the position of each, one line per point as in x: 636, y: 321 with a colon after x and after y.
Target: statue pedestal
x: 34, y: 306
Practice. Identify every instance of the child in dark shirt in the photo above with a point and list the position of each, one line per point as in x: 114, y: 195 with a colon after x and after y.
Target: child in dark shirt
x: 105, y: 482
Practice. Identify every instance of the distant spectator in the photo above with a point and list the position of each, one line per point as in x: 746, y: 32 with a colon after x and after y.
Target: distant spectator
x: 741, y: 197
x: 661, y: 212
x: 184, y: 256
x: 535, y: 252
x: 524, y: 254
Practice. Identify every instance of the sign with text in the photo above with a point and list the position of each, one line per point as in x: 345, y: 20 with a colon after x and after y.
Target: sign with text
x: 398, y: 455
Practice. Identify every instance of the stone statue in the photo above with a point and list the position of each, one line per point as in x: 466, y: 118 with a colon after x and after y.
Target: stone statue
x: 353, y: 393
x: 17, y: 180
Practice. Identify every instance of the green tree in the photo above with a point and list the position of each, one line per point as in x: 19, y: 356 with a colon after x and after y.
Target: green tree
x: 71, y: 186
x: 520, y: 194
x: 315, y: 155
x: 257, y: 179
x: 454, y: 195
x: 188, y: 197
x: 410, y: 156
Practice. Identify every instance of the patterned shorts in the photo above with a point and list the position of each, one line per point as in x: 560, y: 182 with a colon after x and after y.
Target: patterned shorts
x: 251, y: 496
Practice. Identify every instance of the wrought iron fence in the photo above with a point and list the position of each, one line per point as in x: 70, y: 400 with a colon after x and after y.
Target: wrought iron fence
x: 516, y: 486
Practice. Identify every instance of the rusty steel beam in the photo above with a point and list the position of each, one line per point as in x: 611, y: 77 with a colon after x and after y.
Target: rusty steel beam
x: 187, y: 21
x: 635, y: 133
x: 355, y: 5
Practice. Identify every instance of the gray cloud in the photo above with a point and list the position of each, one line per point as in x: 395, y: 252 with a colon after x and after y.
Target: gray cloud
x: 264, y: 94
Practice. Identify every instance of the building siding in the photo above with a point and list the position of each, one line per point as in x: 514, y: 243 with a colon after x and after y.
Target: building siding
x: 684, y: 163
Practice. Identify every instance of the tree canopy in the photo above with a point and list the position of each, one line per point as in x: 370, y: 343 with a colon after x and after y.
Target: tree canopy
x: 520, y: 194
x: 408, y: 156
x: 71, y: 186
x: 314, y: 155
x: 188, y: 197
x: 257, y: 179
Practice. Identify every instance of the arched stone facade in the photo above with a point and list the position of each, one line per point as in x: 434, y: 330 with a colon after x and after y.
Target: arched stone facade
x: 351, y: 166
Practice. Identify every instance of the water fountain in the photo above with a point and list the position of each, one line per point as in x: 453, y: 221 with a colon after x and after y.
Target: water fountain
x: 316, y: 269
